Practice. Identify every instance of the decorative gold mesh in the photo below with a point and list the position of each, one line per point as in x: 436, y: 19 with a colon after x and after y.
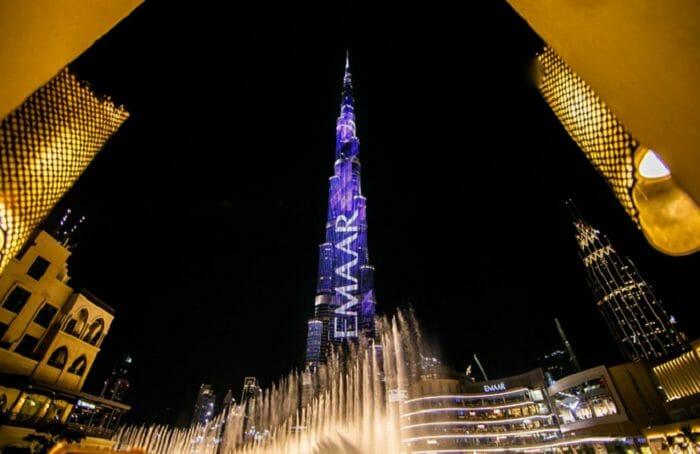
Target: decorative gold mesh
x: 603, y: 139
x: 45, y: 144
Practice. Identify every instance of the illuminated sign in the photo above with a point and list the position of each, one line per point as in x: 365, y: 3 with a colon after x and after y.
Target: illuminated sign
x: 345, y: 323
x: 397, y: 395
x: 82, y: 403
x: 495, y: 387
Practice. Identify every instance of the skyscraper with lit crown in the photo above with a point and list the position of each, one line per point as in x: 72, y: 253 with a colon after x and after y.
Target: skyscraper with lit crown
x: 345, y: 303
x: 636, y: 318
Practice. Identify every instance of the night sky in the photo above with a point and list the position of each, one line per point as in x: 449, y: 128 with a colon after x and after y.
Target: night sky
x: 205, y: 210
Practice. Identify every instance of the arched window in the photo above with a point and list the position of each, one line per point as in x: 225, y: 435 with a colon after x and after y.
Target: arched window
x: 76, y: 324
x: 94, y: 331
x: 78, y: 366
x: 58, y: 357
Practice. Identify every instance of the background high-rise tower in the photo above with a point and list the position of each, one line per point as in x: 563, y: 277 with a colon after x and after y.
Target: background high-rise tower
x: 117, y: 384
x: 637, y: 319
x: 345, y: 304
x: 204, y: 406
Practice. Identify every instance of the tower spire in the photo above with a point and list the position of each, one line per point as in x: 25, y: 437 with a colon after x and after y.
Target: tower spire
x: 344, y: 307
x: 347, y: 65
x: 345, y: 126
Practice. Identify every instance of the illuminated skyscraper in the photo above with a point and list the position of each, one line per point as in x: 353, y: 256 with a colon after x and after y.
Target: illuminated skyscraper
x: 204, y: 405
x: 637, y: 320
x: 345, y: 304
x: 249, y: 398
x: 117, y: 384
x: 251, y: 389
x: 45, y: 144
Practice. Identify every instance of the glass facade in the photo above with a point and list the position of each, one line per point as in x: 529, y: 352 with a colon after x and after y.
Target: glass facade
x: 516, y: 417
x: 45, y: 144
x: 679, y: 377
x: 204, y: 406
x: 588, y: 400
x: 515, y: 414
x: 345, y: 302
x: 314, y: 340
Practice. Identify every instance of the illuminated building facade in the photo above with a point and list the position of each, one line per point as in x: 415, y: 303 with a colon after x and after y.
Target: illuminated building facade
x: 619, y: 402
x: 555, y: 364
x: 204, y: 406
x: 619, y: 115
x: 45, y: 144
x: 117, y: 384
x: 51, y: 127
x: 601, y: 136
x: 101, y: 418
x: 50, y: 336
x: 588, y: 399
x: 251, y: 389
x: 636, y: 318
x: 228, y: 400
x: 506, y: 415
x: 679, y: 382
x: 249, y: 398
x: 634, y: 407
x: 345, y: 302
x: 558, y: 363
x: 639, y: 178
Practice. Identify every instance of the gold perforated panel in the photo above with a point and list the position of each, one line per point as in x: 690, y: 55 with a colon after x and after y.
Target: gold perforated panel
x: 44, y: 147
x: 601, y: 136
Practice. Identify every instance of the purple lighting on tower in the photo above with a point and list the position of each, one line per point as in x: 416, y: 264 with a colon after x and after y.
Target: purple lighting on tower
x: 345, y: 304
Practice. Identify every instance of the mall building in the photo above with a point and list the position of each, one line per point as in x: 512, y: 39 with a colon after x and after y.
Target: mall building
x: 632, y: 407
x: 516, y: 413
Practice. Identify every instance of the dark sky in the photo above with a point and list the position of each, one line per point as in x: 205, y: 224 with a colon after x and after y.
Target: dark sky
x: 205, y: 210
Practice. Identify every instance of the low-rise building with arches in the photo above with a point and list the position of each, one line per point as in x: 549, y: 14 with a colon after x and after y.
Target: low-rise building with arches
x: 50, y: 336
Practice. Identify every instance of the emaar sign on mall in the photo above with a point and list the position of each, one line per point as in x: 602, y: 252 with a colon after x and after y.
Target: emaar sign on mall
x: 495, y: 387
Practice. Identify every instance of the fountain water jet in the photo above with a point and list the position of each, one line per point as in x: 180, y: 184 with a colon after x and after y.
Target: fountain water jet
x: 356, y: 405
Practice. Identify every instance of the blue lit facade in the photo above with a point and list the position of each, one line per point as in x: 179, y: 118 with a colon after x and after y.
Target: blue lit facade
x: 345, y: 302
